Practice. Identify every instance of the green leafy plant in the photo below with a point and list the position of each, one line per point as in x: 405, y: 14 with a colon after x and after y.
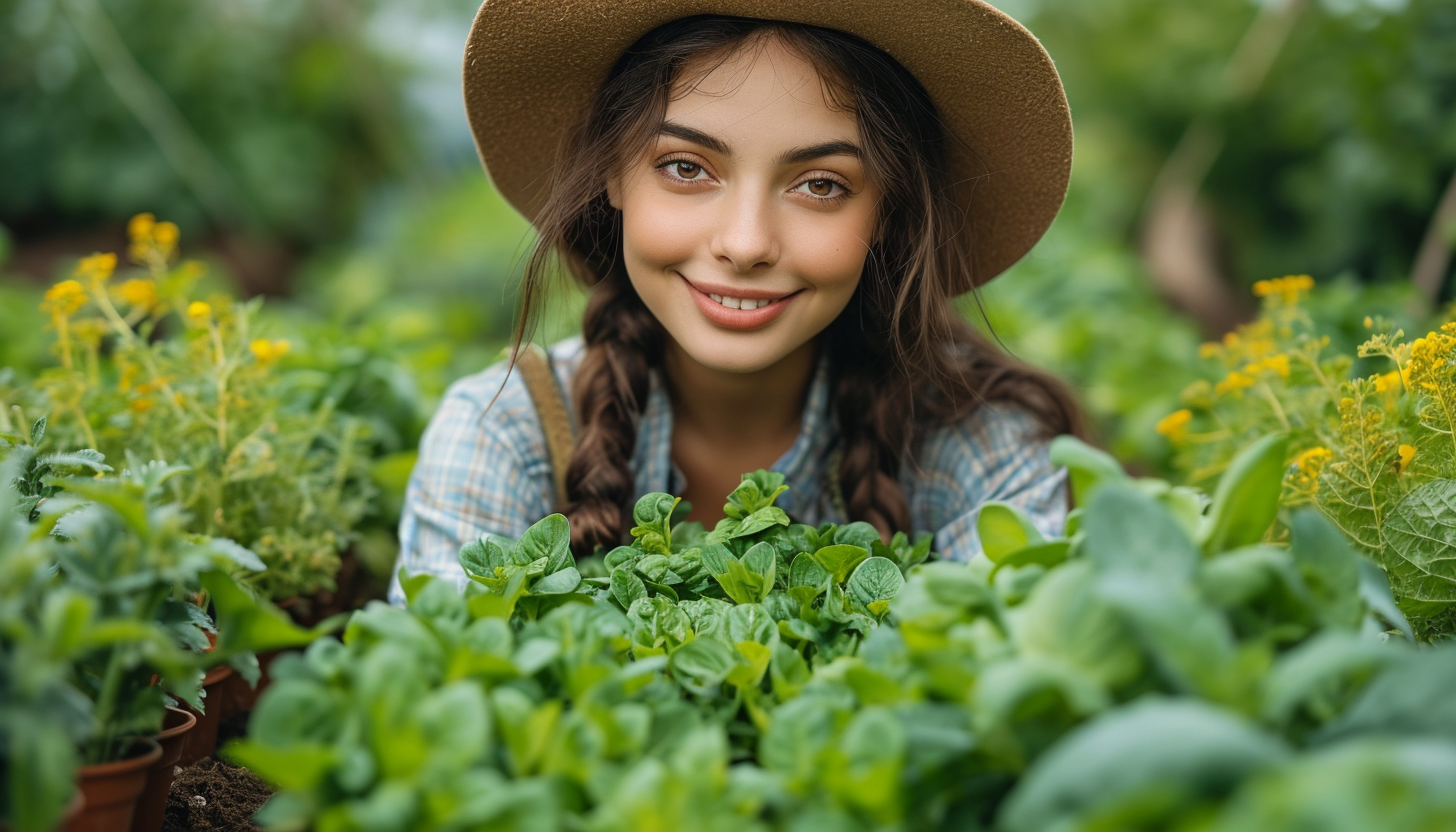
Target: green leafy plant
x: 1371, y: 448
x: 1160, y: 666
x: 99, y: 624
x: 146, y: 369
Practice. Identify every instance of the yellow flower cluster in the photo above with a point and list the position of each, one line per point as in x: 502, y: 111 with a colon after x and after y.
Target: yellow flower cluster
x: 139, y: 292
x: 1287, y: 290
x: 1234, y: 382
x: 1404, y: 454
x: 199, y: 311
x: 150, y: 238
x: 1431, y: 357
x: 96, y: 268
x: 1175, y: 425
x: 1277, y: 364
x: 64, y: 299
x: 268, y: 351
x: 1306, y: 468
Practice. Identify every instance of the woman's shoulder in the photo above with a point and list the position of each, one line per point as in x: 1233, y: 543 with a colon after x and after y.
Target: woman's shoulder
x: 496, y: 402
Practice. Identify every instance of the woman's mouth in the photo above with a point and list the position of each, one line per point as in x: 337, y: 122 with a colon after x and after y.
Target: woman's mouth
x: 737, y: 312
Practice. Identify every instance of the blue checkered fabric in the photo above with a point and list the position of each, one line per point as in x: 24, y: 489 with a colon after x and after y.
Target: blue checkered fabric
x: 485, y: 470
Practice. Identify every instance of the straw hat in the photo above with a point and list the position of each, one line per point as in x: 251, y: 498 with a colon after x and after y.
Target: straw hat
x: 532, y: 66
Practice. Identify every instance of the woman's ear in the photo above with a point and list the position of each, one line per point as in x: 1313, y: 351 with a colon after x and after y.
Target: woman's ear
x: 614, y: 191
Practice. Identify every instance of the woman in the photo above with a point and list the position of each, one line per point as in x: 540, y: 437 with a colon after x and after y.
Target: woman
x: 773, y: 219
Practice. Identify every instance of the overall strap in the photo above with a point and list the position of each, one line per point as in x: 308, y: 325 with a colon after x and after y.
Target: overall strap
x: 535, y: 365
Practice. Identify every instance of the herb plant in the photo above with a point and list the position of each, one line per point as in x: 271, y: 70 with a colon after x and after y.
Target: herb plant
x: 1160, y: 666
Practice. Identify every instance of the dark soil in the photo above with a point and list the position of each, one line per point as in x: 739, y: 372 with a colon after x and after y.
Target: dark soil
x: 212, y: 796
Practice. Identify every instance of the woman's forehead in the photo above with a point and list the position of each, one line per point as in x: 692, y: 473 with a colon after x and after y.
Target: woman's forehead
x: 761, y: 85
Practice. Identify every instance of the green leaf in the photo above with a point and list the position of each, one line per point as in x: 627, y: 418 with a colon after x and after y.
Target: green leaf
x: 840, y: 559
x: 759, y: 520
x: 805, y: 571
x: 762, y: 560
x: 1375, y: 592
x: 1329, y: 566
x: 1412, y: 698
x: 1004, y: 529
x: 248, y: 623
x: 755, y: 492
x: 1176, y: 750
x: 858, y: 533
x: 481, y: 557
x: 1320, y: 666
x: 705, y: 662
x: 299, y: 767
x: 716, y: 558
x: 1088, y: 467
x: 558, y: 583
x: 1128, y: 531
x: 875, y: 579
x: 1420, y: 536
x: 548, y: 538
x: 1042, y: 554
x: 1247, y: 498
x: 626, y: 587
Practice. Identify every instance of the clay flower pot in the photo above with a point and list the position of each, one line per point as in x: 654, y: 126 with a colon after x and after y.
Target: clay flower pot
x: 202, y: 741
x: 152, y: 805
x: 110, y: 790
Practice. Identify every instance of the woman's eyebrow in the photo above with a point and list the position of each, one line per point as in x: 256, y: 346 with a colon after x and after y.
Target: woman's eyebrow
x: 796, y: 156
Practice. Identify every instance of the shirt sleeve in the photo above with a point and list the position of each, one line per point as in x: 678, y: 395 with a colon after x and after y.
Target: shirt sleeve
x: 479, y: 471
x: 995, y: 454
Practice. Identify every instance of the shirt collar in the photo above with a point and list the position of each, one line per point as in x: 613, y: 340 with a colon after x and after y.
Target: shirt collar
x: 804, y: 465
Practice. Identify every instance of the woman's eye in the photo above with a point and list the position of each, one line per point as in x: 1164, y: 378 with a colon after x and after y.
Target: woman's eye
x: 685, y: 170
x: 822, y: 188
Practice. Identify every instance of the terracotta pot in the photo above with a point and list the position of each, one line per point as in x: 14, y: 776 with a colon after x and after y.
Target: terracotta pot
x: 111, y: 789
x: 152, y: 805
x: 202, y: 740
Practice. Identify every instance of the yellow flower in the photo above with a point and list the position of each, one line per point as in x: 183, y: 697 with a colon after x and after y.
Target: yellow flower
x: 140, y: 227
x: 269, y: 351
x: 1175, y: 425
x: 97, y: 267
x: 63, y: 299
x: 1278, y: 364
x: 165, y: 235
x: 1233, y: 383
x: 1405, y: 453
x: 139, y: 292
x: 1287, y: 289
x: 1306, y: 469
x: 1388, y: 381
x: 1369, y: 322
x: 199, y: 311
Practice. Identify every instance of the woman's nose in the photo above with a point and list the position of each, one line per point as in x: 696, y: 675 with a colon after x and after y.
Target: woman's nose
x: 746, y: 237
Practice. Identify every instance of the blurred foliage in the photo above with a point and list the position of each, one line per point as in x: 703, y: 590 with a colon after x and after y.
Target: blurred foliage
x: 279, y: 118
x: 1337, y: 161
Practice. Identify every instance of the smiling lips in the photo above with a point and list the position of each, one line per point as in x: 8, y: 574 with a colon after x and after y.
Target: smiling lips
x: 737, y: 311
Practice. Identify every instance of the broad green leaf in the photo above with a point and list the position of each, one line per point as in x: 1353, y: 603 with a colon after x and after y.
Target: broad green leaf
x: 759, y: 520
x: 1247, y: 498
x: 840, y: 559
x: 300, y: 767
x: 1088, y: 467
x: 1169, y: 748
x: 626, y: 587
x: 805, y: 571
x: 1324, y: 665
x: 1004, y: 529
x: 558, y: 583
x: 705, y: 662
x: 1066, y: 619
x: 549, y: 538
x: 1128, y: 531
x: 1412, y: 698
x: 1375, y: 592
x: 751, y: 622
x: 480, y: 557
x: 1420, y: 536
x: 875, y: 579
x: 1041, y: 554
x: 716, y: 558
x: 858, y: 533
x: 755, y: 658
x: 762, y: 560
x: 1190, y: 641
x: 1330, y: 567
x: 246, y: 623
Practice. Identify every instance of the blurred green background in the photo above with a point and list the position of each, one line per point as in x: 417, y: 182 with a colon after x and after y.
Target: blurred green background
x: 318, y: 152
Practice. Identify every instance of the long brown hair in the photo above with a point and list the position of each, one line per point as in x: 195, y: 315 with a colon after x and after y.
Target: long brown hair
x: 903, y: 360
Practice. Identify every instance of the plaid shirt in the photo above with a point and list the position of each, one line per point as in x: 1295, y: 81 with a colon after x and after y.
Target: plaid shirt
x: 487, y: 471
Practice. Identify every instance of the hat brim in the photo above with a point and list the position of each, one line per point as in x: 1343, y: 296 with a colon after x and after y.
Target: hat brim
x: 532, y: 67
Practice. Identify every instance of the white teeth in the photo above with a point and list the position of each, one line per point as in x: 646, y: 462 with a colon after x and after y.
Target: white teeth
x: 740, y: 303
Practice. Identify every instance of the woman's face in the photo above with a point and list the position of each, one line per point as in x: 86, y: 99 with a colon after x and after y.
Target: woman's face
x: 747, y: 221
